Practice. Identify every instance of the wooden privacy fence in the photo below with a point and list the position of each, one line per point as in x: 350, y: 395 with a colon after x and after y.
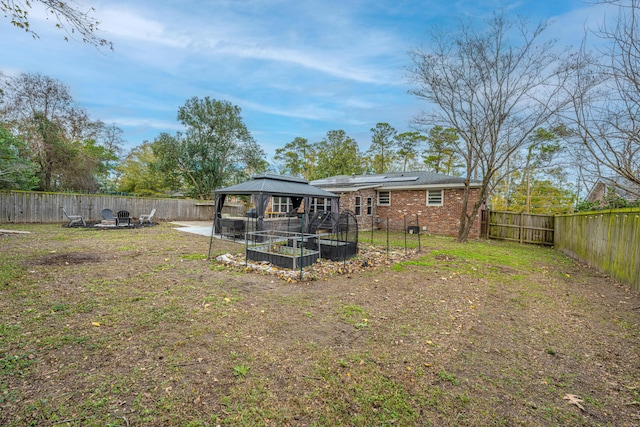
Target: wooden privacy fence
x: 607, y: 240
x: 518, y: 227
x: 36, y: 207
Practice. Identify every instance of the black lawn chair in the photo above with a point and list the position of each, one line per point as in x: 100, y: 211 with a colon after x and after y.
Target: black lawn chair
x: 107, y: 215
x: 123, y: 217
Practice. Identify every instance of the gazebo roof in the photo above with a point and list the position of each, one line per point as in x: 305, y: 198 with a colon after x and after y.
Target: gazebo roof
x: 276, y: 185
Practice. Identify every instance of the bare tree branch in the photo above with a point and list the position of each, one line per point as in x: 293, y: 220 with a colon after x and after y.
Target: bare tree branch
x: 69, y: 17
x: 606, y: 102
x: 494, y: 88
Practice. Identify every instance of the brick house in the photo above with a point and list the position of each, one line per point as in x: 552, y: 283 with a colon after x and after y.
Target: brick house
x: 616, y: 187
x: 430, y: 201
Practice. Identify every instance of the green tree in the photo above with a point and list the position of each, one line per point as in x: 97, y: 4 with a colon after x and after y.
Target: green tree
x: 408, y: 144
x: 67, y: 165
x: 298, y: 158
x: 440, y: 155
x: 537, y: 161
x: 217, y: 149
x: 541, y: 196
x: 140, y: 175
x: 338, y: 154
x: 17, y: 172
x: 100, y: 161
x: 382, y: 147
x: 112, y: 140
x: 62, y: 140
x: 54, y: 154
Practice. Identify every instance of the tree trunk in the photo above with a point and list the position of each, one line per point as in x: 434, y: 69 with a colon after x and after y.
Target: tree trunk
x: 468, y: 219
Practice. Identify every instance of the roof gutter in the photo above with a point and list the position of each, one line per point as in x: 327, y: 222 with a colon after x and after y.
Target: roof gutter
x: 349, y: 189
x: 431, y: 186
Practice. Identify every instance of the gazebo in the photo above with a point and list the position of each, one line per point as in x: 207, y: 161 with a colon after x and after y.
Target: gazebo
x: 262, y: 187
x: 294, y: 239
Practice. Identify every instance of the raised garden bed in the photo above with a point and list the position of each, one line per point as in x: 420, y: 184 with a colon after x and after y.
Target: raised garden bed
x: 283, y: 256
x: 335, y: 250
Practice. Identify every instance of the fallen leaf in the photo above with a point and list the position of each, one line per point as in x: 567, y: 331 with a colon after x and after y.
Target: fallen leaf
x: 95, y: 323
x: 574, y: 400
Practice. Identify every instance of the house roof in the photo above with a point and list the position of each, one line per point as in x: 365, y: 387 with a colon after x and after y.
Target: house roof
x: 276, y: 185
x: 621, y: 186
x: 392, y: 181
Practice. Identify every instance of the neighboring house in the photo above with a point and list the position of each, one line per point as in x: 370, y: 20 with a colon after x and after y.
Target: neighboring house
x: 431, y: 201
x: 618, y: 186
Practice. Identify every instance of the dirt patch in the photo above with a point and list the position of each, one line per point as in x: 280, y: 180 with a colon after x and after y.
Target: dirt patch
x: 98, y: 224
x: 66, y: 259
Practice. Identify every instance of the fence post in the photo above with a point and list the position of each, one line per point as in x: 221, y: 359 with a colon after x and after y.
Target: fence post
x: 387, y: 237
x: 344, y: 247
x: 372, y: 228
x: 418, y: 225
x: 301, y: 246
x: 521, y: 227
x: 405, y: 234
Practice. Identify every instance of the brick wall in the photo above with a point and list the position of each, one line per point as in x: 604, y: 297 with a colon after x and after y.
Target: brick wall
x: 442, y: 220
x: 348, y: 201
x: 598, y: 193
x: 412, y: 205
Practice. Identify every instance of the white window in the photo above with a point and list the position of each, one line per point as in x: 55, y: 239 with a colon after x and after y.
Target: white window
x: 384, y: 198
x: 358, y: 205
x: 281, y: 204
x: 369, y: 205
x: 434, y: 197
x: 320, y: 204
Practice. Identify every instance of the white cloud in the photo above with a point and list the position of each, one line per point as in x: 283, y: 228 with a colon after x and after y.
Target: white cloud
x: 123, y: 23
x: 295, y: 68
x: 142, y: 122
x: 571, y: 27
x: 346, y: 52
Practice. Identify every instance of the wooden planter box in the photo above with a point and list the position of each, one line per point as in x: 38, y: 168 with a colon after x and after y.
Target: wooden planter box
x: 292, y: 261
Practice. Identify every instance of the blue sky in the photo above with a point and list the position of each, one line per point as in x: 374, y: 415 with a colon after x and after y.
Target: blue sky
x: 295, y: 68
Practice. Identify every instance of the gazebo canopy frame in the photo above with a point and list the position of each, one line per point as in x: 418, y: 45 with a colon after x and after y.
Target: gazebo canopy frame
x: 262, y: 187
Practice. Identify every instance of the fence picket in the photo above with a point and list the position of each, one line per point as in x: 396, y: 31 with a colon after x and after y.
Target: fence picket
x: 36, y: 207
x: 520, y: 227
x: 607, y: 240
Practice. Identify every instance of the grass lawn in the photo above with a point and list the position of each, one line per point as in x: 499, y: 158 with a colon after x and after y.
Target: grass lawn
x: 137, y: 328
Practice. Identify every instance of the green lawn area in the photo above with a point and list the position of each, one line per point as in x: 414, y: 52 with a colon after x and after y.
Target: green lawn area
x: 137, y: 328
